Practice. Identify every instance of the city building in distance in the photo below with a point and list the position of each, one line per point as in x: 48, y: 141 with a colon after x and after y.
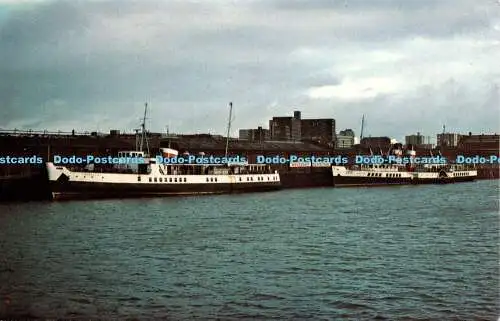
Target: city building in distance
x: 321, y: 130
x: 419, y: 141
x: 255, y: 135
x: 448, y: 139
x: 370, y: 142
x: 286, y: 128
x: 345, y: 139
x: 484, y: 144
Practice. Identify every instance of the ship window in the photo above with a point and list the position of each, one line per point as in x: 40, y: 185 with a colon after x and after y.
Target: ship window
x: 215, y: 179
x: 161, y: 180
x: 185, y: 179
x: 155, y: 180
x: 207, y: 179
x: 262, y: 178
x: 150, y: 180
x: 248, y: 179
x: 211, y: 179
x: 240, y: 179
x: 170, y: 179
x: 175, y: 180
x: 138, y: 178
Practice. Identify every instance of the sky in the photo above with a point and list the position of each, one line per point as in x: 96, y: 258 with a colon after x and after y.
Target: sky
x: 410, y: 66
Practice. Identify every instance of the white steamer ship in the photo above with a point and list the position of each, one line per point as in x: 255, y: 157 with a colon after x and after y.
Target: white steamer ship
x: 153, y: 179
x: 401, y: 174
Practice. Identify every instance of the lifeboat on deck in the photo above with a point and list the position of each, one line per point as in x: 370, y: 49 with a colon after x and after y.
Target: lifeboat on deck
x: 169, y: 153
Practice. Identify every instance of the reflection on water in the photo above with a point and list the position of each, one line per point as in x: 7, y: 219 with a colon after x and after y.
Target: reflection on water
x: 396, y: 253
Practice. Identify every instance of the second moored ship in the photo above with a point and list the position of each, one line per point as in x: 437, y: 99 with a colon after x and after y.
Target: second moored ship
x: 401, y: 174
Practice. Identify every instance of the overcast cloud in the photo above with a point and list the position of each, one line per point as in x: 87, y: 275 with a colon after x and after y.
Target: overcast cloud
x: 408, y: 65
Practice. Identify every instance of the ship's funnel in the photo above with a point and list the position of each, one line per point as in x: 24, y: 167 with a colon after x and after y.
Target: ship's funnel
x: 411, y: 153
x: 169, y: 152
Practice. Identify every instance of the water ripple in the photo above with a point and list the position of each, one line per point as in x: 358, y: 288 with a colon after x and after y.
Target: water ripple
x: 412, y: 253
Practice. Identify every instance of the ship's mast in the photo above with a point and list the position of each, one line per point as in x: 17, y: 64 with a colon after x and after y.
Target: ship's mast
x: 168, y: 135
x: 362, y: 128
x: 229, y: 126
x: 136, y: 139
x: 143, y: 126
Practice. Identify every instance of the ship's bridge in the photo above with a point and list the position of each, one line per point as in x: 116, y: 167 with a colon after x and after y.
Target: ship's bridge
x: 130, y: 160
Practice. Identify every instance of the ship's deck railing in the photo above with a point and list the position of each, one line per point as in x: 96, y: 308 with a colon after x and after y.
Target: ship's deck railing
x: 30, y: 132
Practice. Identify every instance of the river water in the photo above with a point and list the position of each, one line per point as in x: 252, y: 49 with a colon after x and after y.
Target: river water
x: 404, y: 252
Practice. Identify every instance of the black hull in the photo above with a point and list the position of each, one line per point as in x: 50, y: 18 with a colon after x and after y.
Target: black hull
x: 84, y: 190
x: 447, y: 180
x: 346, y: 181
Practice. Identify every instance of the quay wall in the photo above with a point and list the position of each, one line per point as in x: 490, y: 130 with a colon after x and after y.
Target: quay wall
x: 29, y: 181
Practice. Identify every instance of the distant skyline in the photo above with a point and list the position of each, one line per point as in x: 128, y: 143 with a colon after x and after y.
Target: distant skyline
x: 409, y: 66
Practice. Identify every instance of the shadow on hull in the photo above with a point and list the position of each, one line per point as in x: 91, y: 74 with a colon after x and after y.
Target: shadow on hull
x: 85, y: 191
x: 381, y: 181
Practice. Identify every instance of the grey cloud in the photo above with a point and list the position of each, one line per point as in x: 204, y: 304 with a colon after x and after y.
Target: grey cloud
x: 68, y: 61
